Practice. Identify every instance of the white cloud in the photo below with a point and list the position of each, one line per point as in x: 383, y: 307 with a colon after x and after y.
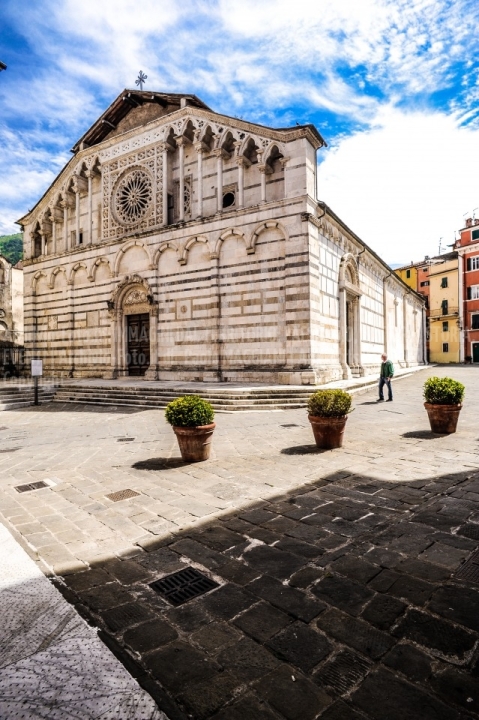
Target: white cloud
x: 404, y: 183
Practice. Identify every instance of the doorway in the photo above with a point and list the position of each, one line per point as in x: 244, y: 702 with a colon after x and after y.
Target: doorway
x: 475, y: 352
x: 138, y: 343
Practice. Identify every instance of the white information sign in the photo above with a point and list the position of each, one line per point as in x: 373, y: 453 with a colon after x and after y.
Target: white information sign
x: 37, y: 368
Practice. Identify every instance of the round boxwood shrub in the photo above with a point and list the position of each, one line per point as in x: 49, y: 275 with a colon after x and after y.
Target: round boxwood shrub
x: 443, y: 391
x: 329, y: 403
x: 189, y: 411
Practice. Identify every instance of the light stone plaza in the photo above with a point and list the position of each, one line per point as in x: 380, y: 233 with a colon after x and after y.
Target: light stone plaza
x: 180, y: 244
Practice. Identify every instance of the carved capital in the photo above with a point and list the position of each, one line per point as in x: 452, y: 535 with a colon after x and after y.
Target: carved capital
x: 242, y: 161
x: 80, y: 184
x: 265, y: 169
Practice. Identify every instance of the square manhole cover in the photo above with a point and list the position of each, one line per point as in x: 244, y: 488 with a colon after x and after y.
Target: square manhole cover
x: 183, y: 585
x: 31, y: 486
x: 122, y: 495
x: 470, y: 570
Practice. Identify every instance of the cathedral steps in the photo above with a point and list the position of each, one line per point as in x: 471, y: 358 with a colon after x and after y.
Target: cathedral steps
x: 14, y: 397
x: 150, y: 398
x: 223, y: 398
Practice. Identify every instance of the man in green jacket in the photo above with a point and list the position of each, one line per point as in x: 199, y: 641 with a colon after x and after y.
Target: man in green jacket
x: 385, y: 377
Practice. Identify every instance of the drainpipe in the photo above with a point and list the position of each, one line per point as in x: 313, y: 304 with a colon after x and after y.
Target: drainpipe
x: 424, y: 331
x: 462, y: 313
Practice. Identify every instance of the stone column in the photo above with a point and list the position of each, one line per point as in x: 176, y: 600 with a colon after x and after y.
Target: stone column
x: 77, y: 216
x: 406, y: 354
x: 357, y: 333
x: 343, y: 318
x: 64, y: 204
x: 242, y: 163
x: 219, y: 179
x: 164, y: 162
x: 152, y: 372
x: 385, y: 314
x: 54, y: 236
x: 180, y: 141
x: 44, y: 244
x: 199, y: 149
x: 113, y: 373
x: 71, y: 300
x: 89, y: 175
x: 262, y: 170
x: 215, y: 374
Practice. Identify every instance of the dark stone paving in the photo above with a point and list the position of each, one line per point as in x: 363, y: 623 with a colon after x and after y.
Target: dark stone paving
x: 340, y: 602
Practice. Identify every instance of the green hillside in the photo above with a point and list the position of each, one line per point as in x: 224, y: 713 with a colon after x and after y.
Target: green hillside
x: 11, y: 247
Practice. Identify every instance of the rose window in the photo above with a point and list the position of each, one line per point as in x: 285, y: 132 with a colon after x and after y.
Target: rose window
x: 133, y: 196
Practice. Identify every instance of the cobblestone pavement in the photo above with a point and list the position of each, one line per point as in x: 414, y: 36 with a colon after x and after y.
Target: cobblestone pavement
x: 348, y: 584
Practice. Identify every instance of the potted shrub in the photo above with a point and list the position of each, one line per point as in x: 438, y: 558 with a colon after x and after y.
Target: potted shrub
x: 327, y: 412
x: 443, y: 403
x: 192, y: 420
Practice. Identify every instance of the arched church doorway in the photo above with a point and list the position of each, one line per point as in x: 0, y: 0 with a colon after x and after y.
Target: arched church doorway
x: 350, y: 318
x: 134, y: 330
x: 138, y: 343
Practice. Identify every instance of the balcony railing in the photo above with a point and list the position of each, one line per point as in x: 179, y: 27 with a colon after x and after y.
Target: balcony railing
x: 440, y: 312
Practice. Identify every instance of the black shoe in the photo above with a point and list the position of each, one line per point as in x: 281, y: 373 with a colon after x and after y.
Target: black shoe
x: 380, y: 400
x: 389, y: 400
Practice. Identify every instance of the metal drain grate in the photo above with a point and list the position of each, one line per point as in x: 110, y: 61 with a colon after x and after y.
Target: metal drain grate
x: 31, y: 486
x: 470, y: 570
x: 182, y: 586
x: 122, y: 495
x: 125, y: 439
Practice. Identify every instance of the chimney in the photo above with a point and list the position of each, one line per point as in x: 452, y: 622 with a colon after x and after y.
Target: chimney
x: 469, y: 222
x: 476, y: 221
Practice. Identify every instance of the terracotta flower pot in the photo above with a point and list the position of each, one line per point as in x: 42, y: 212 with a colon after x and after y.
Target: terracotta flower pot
x: 443, y: 418
x: 195, y: 442
x: 328, y: 431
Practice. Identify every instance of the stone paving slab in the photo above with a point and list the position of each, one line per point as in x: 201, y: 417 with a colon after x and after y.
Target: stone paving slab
x: 338, y: 589
x: 52, y: 664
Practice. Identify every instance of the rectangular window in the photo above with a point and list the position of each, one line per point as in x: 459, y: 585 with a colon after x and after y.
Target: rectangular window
x: 425, y: 283
x: 475, y: 321
x: 444, y: 282
x: 445, y: 347
x: 408, y: 274
x: 475, y: 234
x: 445, y: 326
x: 444, y: 307
x: 473, y: 262
x: 473, y: 292
x: 80, y: 238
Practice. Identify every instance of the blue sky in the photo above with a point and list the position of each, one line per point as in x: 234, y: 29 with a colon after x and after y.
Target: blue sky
x: 392, y: 85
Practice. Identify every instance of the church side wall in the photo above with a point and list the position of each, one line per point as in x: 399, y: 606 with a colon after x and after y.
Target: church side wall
x: 381, y: 303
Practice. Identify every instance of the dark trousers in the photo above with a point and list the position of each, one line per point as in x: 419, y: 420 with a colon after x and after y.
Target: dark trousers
x: 382, y: 383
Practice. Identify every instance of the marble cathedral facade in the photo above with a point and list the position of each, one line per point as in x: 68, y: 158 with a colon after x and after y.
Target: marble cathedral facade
x: 178, y: 243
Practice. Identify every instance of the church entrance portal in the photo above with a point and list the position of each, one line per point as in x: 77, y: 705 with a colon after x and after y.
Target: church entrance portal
x: 138, y: 350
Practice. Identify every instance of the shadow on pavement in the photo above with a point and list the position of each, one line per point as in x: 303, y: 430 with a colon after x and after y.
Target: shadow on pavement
x: 303, y: 450
x: 422, y: 435
x: 82, y: 407
x: 347, y: 597
x: 159, y: 464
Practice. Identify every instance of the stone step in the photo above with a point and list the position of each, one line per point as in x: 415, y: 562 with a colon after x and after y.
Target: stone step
x: 161, y: 405
x: 178, y: 392
x: 154, y: 399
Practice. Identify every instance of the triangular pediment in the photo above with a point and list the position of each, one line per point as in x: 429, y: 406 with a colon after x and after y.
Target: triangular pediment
x: 131, y: 109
